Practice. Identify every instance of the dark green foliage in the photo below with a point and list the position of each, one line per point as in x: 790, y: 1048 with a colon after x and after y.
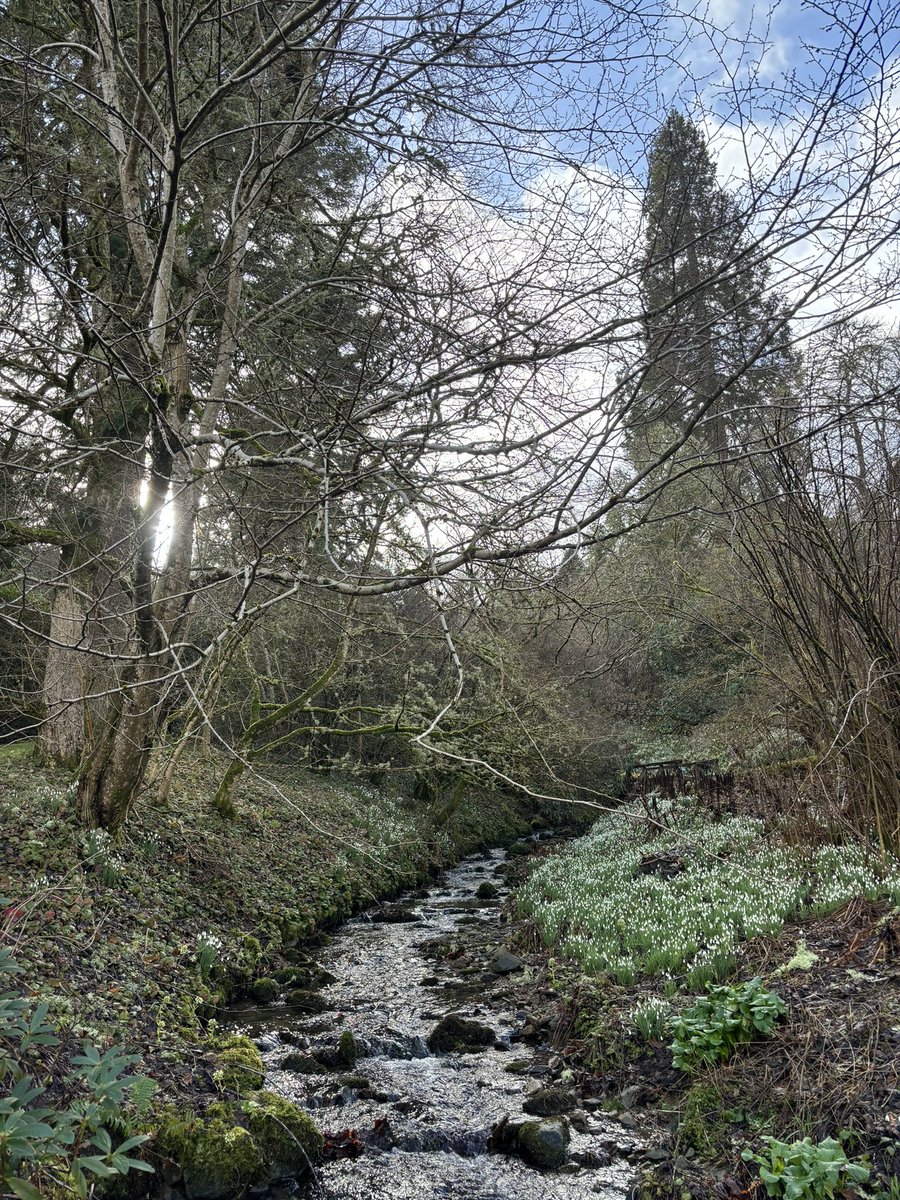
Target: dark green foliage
x: 44, y: 1144
x: 708, y: 316
x: 726, y: 1016
x: 806, y: 1170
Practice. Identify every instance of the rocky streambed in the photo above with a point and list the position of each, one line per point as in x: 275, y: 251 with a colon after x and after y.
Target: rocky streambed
x: 421, y: 1061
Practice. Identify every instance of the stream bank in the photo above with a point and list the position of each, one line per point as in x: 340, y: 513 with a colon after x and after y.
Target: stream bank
x: 138, y: 941
x: 428, y: 1067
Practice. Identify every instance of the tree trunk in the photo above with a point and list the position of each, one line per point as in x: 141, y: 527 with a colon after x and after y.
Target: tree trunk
x: 91, y: 626
x: 115, y: 771
x: 66, y: 683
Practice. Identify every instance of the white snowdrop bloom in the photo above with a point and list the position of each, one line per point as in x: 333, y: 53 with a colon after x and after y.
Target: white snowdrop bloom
x: 735, y: 886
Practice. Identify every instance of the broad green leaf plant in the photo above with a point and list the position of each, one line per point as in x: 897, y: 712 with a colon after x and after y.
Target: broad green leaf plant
x: 709, y: 1031
x: 71, y: 1145
x: 806, y: 1170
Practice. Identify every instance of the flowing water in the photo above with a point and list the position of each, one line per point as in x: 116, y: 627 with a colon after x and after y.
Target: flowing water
x: 417, y: 1124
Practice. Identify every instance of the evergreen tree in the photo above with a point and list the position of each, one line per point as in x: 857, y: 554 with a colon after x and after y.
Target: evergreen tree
x: 714, y: 337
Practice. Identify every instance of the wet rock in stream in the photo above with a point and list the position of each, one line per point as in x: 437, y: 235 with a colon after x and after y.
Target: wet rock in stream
x: 550, y: 1101
x: 411, y: 1117
x: 505, y: 962
x: 304, y: 1064
x: 544, y: 1143
x: 454, y: 1033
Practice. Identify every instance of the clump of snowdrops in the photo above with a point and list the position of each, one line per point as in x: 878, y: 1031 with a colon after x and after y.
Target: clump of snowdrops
x: 594, y: 905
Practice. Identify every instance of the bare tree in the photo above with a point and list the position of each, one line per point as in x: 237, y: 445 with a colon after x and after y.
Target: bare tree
x: 820, y: 541
x: 345, y: 300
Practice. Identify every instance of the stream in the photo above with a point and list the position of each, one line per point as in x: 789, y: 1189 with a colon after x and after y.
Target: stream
x: 406, y: 1123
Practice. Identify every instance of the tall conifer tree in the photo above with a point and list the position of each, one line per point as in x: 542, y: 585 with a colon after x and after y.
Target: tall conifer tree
x: 709, y: 315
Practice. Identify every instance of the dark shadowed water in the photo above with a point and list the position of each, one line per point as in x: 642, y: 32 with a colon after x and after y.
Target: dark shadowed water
x: 423, y: 1120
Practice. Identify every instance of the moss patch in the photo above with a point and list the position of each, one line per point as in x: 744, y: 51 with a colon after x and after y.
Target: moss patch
x: 348, y: 1050
x: 287, y: 1137
x: 218, y: 1156
x: 240, y: 1065
x: 265, y: 990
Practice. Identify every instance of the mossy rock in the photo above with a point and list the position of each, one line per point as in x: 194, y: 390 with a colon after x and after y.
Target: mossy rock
x: 520, y: 849
x: 550, y: 1101
x: 348, y: 1050
x: 304, y: 1064
x: 356, y: 1083
x: 487, y: 891
x: 456, y: 1034
x: 519, y: 1066
x: 309, y: 976
x: 219, y: 1158
x: 305, y: 1001
x: 240, y: 1065
x: 289, y: 976
x: 544, y: 1143
x: 287, y: 1138
x: 265, y: 990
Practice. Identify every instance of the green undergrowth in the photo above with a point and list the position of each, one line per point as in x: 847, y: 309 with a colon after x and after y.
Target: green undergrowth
x: 799, y: 1043
x: 136, y: 940
x: 635, y: 896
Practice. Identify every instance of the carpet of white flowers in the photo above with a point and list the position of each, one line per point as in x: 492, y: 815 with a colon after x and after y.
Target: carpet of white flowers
x: 594, y: 905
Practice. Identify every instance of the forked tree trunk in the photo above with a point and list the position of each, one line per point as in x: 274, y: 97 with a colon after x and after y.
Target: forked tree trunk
x: 115, y: 770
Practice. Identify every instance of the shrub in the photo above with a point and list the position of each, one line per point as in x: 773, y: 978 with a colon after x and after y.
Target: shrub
x: 709, y: 1031
x: 806, y: 1170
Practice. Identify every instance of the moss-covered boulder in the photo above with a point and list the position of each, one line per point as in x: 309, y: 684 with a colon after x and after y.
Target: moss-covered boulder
x: 519, y: 1066
x: 544, y: 1143
x: 287, y: 1138
x: 288, y: 976
x: 456, y: 1034
x: 217, y: 1156
x: 265, y: 990
x: 487, y: 891
x: 240, y: 1067
x: 356, y: 1083
x: 550, y: 1101
x: 347, y: 1050
x: 304, y: 1001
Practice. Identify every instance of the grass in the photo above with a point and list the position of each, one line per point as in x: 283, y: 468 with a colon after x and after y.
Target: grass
x: 595, y: 905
